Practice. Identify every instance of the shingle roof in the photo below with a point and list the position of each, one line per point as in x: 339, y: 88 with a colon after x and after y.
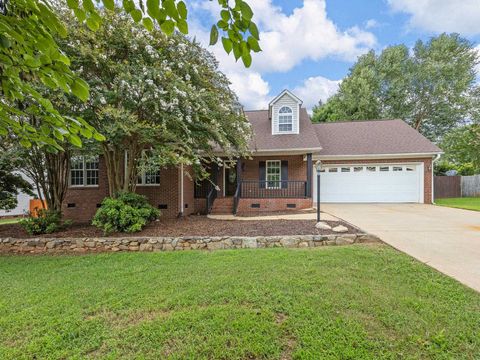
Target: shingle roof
x: 371, y: 137
x: 263, y: 140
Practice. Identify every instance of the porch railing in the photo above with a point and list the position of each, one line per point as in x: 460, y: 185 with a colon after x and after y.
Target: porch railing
x: 212, y: 195
x: 273, y: 189
x: 202, y: 189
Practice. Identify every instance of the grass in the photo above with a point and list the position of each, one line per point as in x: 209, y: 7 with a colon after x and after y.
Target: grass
x: 355, y: 302
x: 468, y: 203
x: 9, y: 221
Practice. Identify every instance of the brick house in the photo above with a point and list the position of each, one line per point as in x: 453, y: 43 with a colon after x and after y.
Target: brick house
x: 362, y: 161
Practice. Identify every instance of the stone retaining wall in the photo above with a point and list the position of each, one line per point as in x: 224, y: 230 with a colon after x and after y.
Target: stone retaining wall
x: 46, y: 245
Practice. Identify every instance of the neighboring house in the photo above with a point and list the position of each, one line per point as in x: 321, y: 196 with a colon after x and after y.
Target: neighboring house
x: 362, y: 161
x: 23, y: 202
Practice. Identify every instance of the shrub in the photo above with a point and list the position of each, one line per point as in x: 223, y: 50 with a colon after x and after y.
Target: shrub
x: 128, y: 212
x: 45, y: 222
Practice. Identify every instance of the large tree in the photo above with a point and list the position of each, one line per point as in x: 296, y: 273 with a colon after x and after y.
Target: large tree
x: 156, y: 93
x: 431, y: 87
x: 462, y: 146
x: 30, y: 55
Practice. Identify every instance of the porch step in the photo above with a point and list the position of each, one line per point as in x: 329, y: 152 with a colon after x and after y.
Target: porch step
x: 222, y: 206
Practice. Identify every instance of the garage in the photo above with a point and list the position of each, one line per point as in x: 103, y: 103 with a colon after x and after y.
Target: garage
x: 371, y: 183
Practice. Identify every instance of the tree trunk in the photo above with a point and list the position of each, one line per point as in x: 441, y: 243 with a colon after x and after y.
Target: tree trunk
x: 121, y: 174
x: 49, y: 171
x: 58, y: 167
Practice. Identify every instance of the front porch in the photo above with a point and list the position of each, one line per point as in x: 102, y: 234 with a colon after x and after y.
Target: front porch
x: 260, y: 184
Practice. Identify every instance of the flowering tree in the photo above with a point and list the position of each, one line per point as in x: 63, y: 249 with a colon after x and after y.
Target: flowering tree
x: 156, y: 93
x: 30, y: 56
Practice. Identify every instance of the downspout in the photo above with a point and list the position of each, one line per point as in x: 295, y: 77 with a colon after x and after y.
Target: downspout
x: 433, y: 183
x: 181, y: 191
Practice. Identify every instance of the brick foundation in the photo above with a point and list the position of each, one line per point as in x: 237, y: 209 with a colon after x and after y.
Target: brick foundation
x: 272, y: 205
x: 81, y: 203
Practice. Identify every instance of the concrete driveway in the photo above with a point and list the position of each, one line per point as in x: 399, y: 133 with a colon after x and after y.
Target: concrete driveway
x: 447, y: 239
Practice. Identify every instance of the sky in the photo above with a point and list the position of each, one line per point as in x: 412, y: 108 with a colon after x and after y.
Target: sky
x: 308, y: 46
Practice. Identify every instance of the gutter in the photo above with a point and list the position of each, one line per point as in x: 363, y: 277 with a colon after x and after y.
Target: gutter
x: 433, y: 183
x: 377, y: 156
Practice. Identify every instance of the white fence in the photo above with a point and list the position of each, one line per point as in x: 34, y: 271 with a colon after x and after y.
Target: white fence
x: 470, y: 185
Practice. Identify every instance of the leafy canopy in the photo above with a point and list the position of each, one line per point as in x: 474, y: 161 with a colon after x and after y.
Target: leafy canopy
x: 462, y: 146
x: 150, y: 91
x: 431, y: 87
x: 30, y: 56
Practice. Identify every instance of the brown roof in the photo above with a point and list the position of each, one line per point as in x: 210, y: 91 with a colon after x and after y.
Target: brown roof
x: 371, y: 137
x: 263, y: 140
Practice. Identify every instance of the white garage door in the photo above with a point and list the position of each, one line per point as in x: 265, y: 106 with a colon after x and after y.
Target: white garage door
x: 370, y: 183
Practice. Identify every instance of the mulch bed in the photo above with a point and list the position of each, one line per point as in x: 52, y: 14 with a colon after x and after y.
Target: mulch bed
x: 193, y: 226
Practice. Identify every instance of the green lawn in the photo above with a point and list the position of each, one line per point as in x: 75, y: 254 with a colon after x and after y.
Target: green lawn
x: 469, y: 203
x: 9, y: 221
x: 362, y: 301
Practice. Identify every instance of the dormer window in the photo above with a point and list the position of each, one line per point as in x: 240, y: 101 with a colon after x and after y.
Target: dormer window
x: 285, y: 119
x: 284, y: 113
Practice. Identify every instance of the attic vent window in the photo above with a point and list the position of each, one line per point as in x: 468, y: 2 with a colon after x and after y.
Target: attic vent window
x: 285, y: 119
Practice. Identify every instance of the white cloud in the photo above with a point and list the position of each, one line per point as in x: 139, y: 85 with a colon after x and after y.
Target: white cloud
x: 307, y: 33
x: 371, y: 23
x: 462, y: 16
x: 251, y: 89
x: 287, y: 40
x: 316, y: 88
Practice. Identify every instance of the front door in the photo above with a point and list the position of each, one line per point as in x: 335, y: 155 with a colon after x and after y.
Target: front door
x: 230, y: 181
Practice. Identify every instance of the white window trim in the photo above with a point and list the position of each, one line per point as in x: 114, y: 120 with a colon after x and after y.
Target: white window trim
x: 291, y: 120
x: 84, y: 170
x: 279, y: 175
x: 140, y: 174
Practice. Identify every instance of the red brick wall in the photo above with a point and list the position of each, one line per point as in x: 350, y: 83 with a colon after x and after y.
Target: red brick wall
x: 297, y: 168
x: 86, y: 199
x: 271, y: 205
x: 200, y: 206
x: 166, y: 193
x: 427, y: 168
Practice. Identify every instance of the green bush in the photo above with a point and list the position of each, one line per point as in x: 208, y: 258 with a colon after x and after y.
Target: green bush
x: 465, y: 169
x: 128, y: 212
x: 46, y: 222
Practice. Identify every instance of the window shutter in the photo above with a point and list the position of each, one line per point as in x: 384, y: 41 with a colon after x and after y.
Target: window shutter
x: 261, y: 174
x: 284, y: 174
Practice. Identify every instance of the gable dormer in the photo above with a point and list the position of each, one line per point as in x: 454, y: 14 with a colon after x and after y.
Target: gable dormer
x: 284, y: 113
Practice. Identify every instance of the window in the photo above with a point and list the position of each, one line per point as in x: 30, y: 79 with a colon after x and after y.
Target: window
x: 332, y: 170
x: 371, y: 168
x: 285, y: 119
x: 273, y: 174
x: 384, y: 168
x: 84, y: 171
x: 397, y: 168
x: 357, y: 168
x: 345, y: 169
x: 409, y: 168
x: 147, y: 176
